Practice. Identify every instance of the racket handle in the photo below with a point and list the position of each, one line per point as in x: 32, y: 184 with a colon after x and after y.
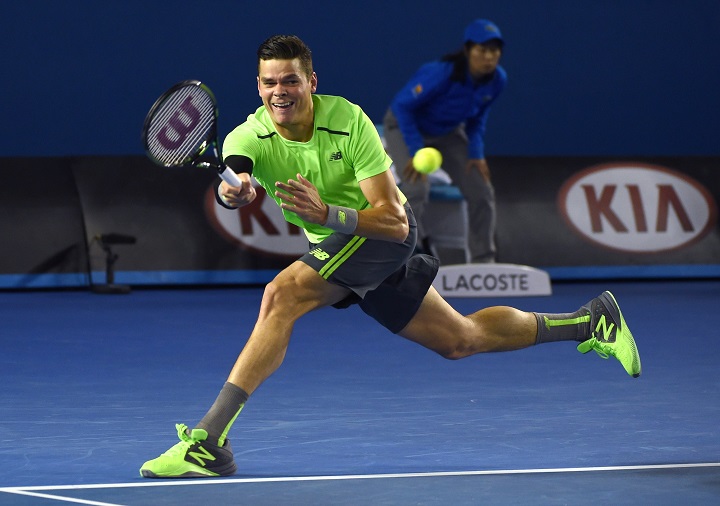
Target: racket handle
x: 228, y: 175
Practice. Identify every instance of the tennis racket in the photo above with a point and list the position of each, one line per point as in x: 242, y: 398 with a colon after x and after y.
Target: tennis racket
x: 182, y: 126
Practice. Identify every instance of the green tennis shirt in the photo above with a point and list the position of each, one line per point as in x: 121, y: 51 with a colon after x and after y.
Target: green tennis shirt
x: 345, y: 149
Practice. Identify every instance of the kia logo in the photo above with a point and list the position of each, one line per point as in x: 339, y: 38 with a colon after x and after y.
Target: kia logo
x: 259, y: 226
x: 637, y: 207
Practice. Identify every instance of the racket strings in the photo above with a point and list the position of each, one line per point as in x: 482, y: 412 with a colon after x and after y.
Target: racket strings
x: 182, y: 126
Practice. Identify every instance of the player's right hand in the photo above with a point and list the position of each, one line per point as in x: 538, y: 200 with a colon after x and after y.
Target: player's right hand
x: 238, y: 196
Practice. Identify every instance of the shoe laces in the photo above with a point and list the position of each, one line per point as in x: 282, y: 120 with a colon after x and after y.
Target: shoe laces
x: 182, y: 431
x: 601, y: 349
x: 186, y: 441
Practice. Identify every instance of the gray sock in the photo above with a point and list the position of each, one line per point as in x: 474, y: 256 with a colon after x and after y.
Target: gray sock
x: 223, y: 412
x: 563, y: 326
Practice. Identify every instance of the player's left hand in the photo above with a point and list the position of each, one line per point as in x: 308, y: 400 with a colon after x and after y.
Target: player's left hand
x: 480, y: 164
x: 301, y: 197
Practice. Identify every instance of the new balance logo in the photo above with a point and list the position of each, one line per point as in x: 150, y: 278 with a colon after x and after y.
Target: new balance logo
x: 336, y: 156
x: 606, y: 331
x: 320, y: 254
x: 201, y: 457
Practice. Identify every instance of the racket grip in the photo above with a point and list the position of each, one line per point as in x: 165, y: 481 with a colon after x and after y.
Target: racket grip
x: 228, y: 175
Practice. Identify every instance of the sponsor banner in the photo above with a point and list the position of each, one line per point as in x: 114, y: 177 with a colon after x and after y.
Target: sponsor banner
x: 632, y: 216
x: 638, y: 208
x: 491, y: 280
x: 580, y: 211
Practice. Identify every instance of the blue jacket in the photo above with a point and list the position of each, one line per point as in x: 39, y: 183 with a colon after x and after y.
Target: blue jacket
x: 432, y: 104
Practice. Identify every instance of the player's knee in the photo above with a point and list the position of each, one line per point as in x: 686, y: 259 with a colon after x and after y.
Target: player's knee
x: 455, y: 349
x: 450, y: 354
x: 464, y: 344
x: 455, y: 353
x: 288, y: 297
x: 280, y: 294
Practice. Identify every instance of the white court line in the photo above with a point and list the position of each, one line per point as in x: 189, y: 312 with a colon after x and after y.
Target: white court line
x: 61, y: 498
x: 221, y: 481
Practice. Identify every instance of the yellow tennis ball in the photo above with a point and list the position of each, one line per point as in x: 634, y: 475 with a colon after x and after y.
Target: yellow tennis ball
x: 427, y: 160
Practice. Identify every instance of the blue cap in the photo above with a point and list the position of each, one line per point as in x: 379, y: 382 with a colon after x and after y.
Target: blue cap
x: 481, y: 31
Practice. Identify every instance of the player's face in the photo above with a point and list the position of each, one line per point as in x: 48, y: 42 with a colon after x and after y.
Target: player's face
x: 286, y: 91
x: 483, y: 59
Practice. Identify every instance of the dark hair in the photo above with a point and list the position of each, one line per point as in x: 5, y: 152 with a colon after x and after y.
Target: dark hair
x: 459, y: 61
x: 286, y: 47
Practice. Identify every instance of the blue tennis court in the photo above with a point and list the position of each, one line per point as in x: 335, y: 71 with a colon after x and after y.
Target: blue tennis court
x: 93, y: 385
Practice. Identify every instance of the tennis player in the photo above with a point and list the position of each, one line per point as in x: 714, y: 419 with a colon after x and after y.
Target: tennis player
x: 322, y: 160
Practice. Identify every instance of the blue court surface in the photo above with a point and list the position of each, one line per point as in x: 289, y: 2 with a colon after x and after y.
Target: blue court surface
x: 92, y: 386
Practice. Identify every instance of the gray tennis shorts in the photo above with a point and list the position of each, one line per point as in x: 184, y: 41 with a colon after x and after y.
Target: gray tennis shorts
x: 387, y: 282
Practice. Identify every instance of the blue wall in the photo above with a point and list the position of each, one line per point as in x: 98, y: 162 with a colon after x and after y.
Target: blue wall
x: 606, y: 77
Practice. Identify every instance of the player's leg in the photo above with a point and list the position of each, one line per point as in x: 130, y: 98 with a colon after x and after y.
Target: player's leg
x: 439, y: 327
x: 296, y: 291
x: 205, y: 450
x: 598, y: 325
x: 338, y: 271
x: 407, y: 304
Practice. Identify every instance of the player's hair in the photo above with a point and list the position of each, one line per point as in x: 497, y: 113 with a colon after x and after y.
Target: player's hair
x: 286, y: 47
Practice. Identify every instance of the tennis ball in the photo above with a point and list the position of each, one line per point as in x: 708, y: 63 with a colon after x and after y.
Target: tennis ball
x: 427, y: 160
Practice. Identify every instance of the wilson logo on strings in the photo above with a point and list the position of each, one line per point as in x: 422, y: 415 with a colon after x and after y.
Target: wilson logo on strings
x: 637, y: 207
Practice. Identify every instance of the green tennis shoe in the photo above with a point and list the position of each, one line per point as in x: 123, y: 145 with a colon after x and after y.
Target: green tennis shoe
x: 610, y: 335
x: 192, y: 457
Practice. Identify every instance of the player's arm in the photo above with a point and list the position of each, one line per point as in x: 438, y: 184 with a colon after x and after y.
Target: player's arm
x: 384, y: 220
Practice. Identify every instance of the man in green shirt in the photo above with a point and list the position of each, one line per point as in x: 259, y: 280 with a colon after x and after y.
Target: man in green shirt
x: 322, y: 161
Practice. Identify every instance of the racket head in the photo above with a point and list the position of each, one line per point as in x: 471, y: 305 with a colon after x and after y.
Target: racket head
x: 181, y: 125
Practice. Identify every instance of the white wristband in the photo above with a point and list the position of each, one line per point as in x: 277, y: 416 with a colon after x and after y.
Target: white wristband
x: 342, y: 219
